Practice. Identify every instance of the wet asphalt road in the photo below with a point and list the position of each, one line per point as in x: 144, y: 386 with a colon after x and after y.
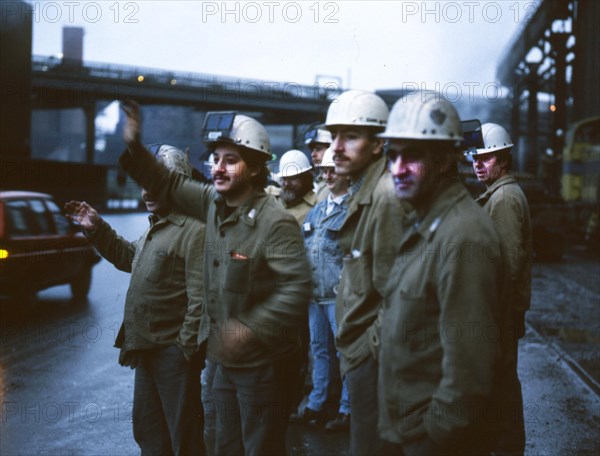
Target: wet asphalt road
x: 62, y: 391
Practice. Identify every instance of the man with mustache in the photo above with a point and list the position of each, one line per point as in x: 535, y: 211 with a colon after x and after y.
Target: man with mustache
x: 256, y: 275
x: 368, y: 240
x: 160, y: 335
x: 445, y: 347
x: 317, y: 139
x: 321, y: 231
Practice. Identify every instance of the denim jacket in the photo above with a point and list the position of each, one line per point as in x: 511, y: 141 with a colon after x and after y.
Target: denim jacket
x: 321, y: 234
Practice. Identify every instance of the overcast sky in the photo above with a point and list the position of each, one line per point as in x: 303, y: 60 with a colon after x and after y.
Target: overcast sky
x: 367, y: 44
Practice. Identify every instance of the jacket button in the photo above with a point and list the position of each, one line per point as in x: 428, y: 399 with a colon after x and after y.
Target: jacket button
x: 222, y: 233
x: 216, y: 263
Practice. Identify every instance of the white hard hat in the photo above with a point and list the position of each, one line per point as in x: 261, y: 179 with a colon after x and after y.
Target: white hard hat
x: 357, y: 107
x: 495, y: 138
x: 293, y: 163
x: 327, y: 161
x: 423, y: 116
x: 317, y: 135
x: 242, y: 130
x: 173, y: 158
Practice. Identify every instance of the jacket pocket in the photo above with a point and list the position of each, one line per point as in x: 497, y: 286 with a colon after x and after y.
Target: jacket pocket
x: 160, y: 267
x: 237, y: 277
x: 358, y: 275
x: 417, y: 322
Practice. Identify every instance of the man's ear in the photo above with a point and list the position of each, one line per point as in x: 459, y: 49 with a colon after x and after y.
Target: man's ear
x: 254, y: 170
x: 378, y: 146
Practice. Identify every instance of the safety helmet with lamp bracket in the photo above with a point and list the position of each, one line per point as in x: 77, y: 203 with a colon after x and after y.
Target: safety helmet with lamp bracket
x: 317, y: 135
x: 472, y: 137
x: 423, y: 116
x: 238, y: 129
x: 357, y: 108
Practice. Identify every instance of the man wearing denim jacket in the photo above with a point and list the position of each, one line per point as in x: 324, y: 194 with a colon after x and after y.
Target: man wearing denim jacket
x: 321, y: 232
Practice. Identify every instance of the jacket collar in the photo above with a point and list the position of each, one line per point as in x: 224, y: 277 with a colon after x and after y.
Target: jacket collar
x: 310, y: 198
x: 446, y: 199
x: 246, y: 212
x: 363, y: 195
x: 173, y: 217
x: 504, y: 180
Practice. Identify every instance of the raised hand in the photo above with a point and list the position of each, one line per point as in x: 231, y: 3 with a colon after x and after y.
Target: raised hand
x: 133, y: 125
x: 83, y: 214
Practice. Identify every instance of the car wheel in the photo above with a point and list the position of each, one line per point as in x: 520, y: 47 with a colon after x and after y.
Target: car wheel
x: 80, y: 286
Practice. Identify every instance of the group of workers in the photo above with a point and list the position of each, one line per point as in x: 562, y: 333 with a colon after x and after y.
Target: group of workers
x: 383, y: 250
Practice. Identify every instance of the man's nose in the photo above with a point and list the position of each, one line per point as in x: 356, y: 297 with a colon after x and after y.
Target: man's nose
x: 398, y: 166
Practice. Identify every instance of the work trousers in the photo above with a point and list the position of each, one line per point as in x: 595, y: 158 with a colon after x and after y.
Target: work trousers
x: 362, y: 389
x: 253, y: 406
x: 512, y: 437
x: 168, y: 418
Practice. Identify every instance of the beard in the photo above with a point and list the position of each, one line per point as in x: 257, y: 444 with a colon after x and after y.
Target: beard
x: 289, y: 196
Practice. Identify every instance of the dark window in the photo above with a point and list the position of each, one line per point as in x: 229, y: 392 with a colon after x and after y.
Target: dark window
x: 41, y: 216
x: 20, y: 218
x: 60, y: 222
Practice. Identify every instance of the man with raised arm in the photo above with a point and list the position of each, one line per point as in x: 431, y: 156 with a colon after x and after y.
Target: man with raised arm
x: 256, y: 275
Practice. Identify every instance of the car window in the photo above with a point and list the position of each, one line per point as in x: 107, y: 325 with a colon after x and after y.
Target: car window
x: 41, y: 216
x: 20, y: 218
x: 60, y: 222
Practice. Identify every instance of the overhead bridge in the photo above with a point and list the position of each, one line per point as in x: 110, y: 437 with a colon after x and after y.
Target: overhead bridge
x: 63, y: 84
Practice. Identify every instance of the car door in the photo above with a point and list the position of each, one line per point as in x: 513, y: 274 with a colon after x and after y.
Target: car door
x: 72, y: 246
x: 23, y: 265
x: 50, y: 256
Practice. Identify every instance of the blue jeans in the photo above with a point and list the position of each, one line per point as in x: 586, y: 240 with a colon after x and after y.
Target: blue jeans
x: 323, y: 327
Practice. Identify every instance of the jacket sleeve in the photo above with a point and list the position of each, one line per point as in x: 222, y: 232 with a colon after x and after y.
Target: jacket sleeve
x: 508, y: 218
x: 194, y: 257
x: 113, y: 247
x: 468, y: 295
x: 286, y: 308
x: 184, y: 194
x: 388, y: 226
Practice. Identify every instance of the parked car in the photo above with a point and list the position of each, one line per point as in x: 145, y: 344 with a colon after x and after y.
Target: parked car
x: 40, y: 248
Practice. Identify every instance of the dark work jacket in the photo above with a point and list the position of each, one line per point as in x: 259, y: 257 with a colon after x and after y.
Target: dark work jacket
x: 255, y: 266
x: 165, y: 301
x: 369, y: 239
x: 445, y: 336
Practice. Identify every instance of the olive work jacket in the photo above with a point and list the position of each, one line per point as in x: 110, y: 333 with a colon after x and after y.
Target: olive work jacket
x: 255, y: 268
x: 507, y: 205
x: 445, y: 339
x: 164, y: 302
x: 368, y: 237
x: 298, y: 210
